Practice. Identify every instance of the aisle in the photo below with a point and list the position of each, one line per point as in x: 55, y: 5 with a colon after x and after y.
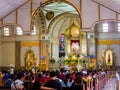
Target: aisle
x: 111, y: 84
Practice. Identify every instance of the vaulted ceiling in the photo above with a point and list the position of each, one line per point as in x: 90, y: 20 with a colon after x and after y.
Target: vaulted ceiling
x: 111, y: 4
x: 8, y: 6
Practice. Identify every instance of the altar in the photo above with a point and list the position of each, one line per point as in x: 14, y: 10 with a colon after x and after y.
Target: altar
x: 72, y: 43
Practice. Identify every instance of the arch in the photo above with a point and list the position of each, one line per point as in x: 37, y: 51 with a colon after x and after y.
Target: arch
x: 96, y: 22
x: 42, y: 18
x: 59, y: 18
x: 66, y: 1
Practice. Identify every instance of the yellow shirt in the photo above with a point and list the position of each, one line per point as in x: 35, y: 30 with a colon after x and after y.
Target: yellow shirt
x: 1, y: 75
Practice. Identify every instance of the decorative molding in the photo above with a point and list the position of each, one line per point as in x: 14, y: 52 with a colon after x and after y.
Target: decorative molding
x: 16, y: 14
x: 108, y: 42
x: 99, y: 12
x: 81, y: 6
x: 31, y: 7
x: 39, y: 12
x: 30, y: 44
x: 49, y: 15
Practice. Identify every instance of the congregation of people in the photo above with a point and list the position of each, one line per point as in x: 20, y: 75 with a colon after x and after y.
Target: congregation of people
x: 50, y: 80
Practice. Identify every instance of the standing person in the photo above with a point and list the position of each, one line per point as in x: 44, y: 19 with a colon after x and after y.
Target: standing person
x: 54, y: 82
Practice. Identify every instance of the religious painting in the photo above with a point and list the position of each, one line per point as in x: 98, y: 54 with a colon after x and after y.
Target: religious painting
x: 75, y: 47
x: 61, y: 45
x: 109, y: 57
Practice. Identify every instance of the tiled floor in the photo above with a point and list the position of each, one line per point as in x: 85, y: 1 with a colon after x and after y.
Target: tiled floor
x: 111, y: 85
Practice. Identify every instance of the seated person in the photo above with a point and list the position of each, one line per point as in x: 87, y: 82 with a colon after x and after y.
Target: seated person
x: 78, y: 84
x: 18, y: 83
x: 54, y: 82
x: 35, y: 85
x: 9, y: 81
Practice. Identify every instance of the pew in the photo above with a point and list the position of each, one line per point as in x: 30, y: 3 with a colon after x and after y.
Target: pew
x: 66, y: 88
x: 4, y: 88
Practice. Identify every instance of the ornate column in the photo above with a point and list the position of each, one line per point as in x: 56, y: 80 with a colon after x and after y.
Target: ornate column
x: 96, y: 46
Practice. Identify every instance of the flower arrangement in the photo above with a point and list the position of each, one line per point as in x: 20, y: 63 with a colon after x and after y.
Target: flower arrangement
x: 71, y: 60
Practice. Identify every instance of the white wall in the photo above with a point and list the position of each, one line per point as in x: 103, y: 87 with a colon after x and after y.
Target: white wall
x: 0, y: 50
x: 8, y: 53
x: 114, y: 47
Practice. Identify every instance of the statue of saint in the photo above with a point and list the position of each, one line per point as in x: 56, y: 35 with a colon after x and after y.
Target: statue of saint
x: 108, y: 58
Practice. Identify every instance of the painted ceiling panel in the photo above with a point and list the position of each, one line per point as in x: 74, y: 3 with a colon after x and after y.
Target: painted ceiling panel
x: 112, y: 4
x: 7, y: 6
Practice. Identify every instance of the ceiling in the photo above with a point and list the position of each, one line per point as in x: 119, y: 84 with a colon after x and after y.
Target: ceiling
x: 111, y: 4
x: 8, y: 6
x: 60, y: 7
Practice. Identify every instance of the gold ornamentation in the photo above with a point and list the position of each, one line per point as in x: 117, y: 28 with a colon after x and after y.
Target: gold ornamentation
x: 108, y: 42
x: 49, y: 15
x: 30, y: 44
x: 30, y: 59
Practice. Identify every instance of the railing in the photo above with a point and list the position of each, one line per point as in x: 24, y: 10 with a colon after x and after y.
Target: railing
x: 117, y: 80
x: 100, y: 81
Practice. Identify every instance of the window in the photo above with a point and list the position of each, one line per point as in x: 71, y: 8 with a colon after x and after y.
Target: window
x: 6, y: 31
x: 105, y: 27
x: 118, y: 27
x: 19, y: 31
x: 34, y: 31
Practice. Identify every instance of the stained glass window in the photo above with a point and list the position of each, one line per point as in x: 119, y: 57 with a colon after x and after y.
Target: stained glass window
x: 61, y: 45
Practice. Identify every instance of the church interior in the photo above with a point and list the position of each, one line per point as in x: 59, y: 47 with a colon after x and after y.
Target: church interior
x: 76, y: 37
x: 50, y: 34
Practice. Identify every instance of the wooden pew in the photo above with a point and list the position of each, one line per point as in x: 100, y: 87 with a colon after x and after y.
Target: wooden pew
x: 4, y: 88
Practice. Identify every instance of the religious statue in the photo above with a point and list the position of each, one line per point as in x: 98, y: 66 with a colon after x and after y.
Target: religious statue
x: 109, y: 57
x: 30, y: 59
